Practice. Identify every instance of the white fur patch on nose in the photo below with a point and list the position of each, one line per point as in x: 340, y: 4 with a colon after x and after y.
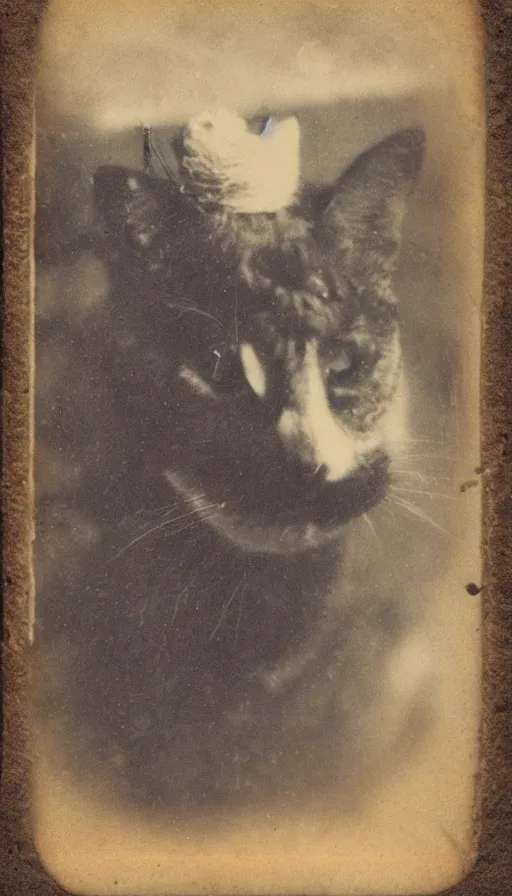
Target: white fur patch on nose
x: 310, y: 429
x: 253, y: 369
x: 319, y: 441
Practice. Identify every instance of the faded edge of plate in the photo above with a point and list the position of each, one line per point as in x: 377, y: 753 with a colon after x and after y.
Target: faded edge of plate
x: 21, y: 871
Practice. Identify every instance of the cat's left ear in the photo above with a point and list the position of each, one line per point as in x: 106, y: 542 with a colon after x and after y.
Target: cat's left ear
x: 134, y: 206
x: 363, y: 219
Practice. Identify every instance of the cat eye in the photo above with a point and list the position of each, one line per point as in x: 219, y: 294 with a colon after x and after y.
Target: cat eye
x: 349, y: 365
x: 223, y: 367
x: 341, y: 364
x: 342, y: 375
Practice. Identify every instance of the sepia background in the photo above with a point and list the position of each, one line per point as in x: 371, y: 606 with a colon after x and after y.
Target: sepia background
x: 353, y: 75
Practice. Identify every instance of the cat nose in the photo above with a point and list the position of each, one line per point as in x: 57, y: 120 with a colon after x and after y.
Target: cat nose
x: 319, y: 443
x: 309, y: 430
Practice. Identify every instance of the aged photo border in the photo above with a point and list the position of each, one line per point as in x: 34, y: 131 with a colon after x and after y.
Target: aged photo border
x: 21, y: 871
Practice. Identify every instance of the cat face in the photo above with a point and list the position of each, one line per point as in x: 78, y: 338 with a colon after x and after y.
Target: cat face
x: 264, y: 349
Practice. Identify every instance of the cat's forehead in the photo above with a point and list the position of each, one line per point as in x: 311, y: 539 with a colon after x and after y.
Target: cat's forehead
x: 247, y: 233
x: 275, y: 278
x: 289, y: 285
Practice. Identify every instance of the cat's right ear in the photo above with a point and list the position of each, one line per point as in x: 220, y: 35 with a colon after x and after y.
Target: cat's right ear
x: 132, y: 205
x: 363, y: 216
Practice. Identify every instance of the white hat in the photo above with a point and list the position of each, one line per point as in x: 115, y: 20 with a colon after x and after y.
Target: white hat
x: 225, y: 163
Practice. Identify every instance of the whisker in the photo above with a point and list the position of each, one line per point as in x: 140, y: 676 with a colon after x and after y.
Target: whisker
x: 242, y: 596
x: 419, y: 491
x: 424, y: 477
x: 417, y: 512
x: 236, y: 314
x: 417, y: 456
x: 371, y: 527
x: 192, y: 308
x: 225, y: 609
x: 168, y: 508
x: 191, y: 525
x: 177, y: 519
x: 196, y: 511
x: 177, y: 603
x: 165, y: 508
x: 405, y: 441
x: 148, y: 511
x: 159, y: 526
x: 196, y: 522
x: 386, y: 507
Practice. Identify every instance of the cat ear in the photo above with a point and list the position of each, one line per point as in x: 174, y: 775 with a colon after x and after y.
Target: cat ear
x: 363, y: 219
x: 133, y: 205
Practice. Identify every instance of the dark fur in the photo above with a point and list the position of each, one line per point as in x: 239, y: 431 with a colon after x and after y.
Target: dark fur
x: 190, y: 672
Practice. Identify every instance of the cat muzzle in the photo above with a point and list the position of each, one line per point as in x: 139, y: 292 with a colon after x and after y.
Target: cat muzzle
x: 286, y: 511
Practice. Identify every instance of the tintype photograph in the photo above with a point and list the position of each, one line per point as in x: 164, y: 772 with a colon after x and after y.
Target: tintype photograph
x: 258, y: 270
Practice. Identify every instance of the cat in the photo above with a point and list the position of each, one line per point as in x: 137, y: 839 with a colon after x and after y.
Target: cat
x: 228, y: 417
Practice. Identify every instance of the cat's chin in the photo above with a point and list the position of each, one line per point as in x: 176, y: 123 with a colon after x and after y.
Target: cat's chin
x: 250, y: 532
x: 261, y: 538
